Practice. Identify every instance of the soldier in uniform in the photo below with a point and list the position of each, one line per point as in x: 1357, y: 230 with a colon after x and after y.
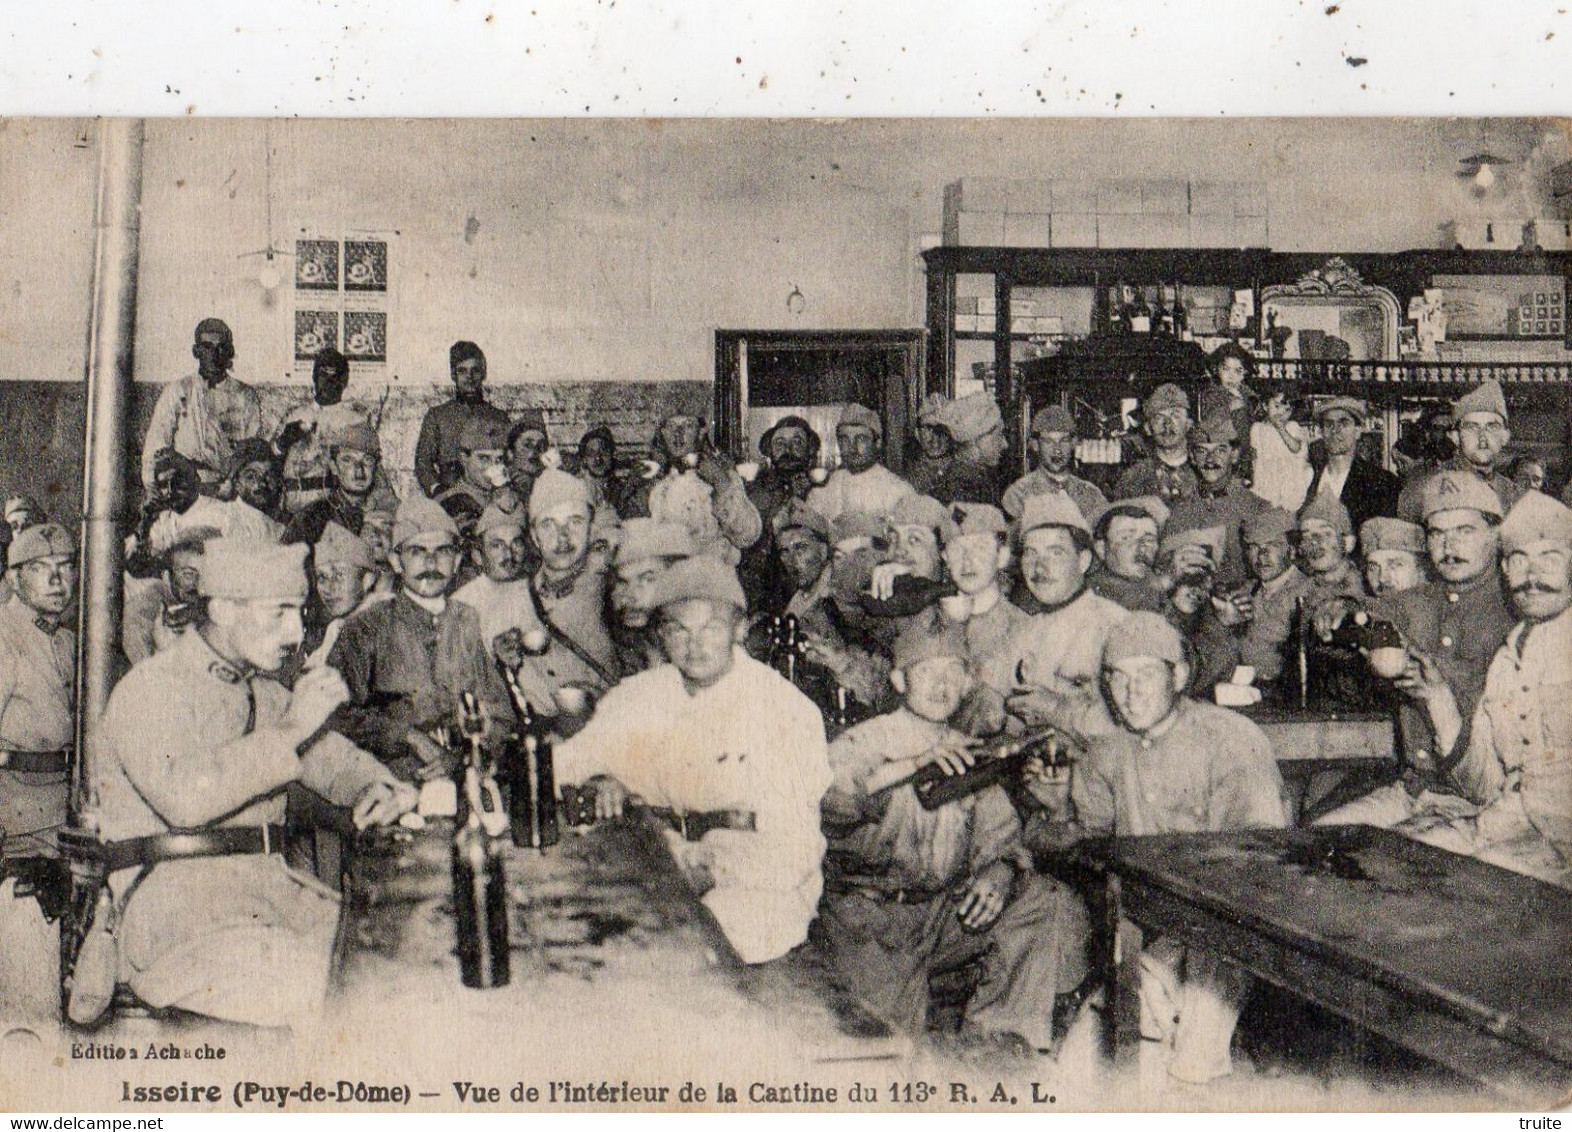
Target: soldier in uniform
x: 1167, y: 472
x: 23, y: 511
x: 1221, y: 496
x: 1268, y: 609
x: 976, y: 426
x: 354, y: 461
x: 698, y: 489
x: 1480, y: 433
x: 483, y: 475
x: 407, y: 659
x: 935, y: 446
x: 203, y: 415
x: 790, y: 449
x: 1394, y: 555
x: 1126, y: 537
x: 976, y: 555
x: 595, y: 464
x: 1059, y: 651
x: 252, y: 476
x: 500, y: 594
x: 159, y: 610
x: 527, y: 444
x: 861, y: 484
x: 1458, y: 620
x: 37, y: 726
x: 342, y: 572
x: 437, y: 448
x: 715, y: 730
x: 1512, y: 757
x: 910, y: 891
x: 1051, y: 448
x: 1173, y: 765
x: 646, y: 551
x: 1326, y: 545
x: 201, y: 739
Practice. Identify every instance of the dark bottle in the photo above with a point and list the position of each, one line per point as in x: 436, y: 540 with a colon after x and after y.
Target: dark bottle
x: 480, y: 894
x: 532, y: 778
x: 1181, y: 316
x: 1165, y: 315
x: 1141, y: 313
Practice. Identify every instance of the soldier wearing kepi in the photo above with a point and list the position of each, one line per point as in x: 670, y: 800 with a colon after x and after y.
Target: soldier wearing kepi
x: 37, y: 662
x: 1512, y: 757
x: 910, y: 891
x: 1059, y: 651
x: 203, y: 415
x: 646, y: 551
x: 1394, y: 555
x: 437, y: 462
x: 1126, y: 537
x: 715, y: 730
x: 354, y: 461
x: 1480, y: 433
x: 37, y: 685
x: 405, y: 660
x: 1221, y: 497
x: 1458, y: 621
x: 484, y: 476
x: 861, y: 483
x: 1174, y: 765
x: 200, y: 738
x: 1053, y: 447
x: 1167, y: 472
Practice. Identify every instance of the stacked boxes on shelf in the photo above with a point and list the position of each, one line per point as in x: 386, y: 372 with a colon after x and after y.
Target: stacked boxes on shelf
x: 1156, y: 213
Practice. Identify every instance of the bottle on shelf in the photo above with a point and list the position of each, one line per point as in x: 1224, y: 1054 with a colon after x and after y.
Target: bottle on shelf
x: 1164, y: 314
x: 1141, y: 313
x: 1181, y: 316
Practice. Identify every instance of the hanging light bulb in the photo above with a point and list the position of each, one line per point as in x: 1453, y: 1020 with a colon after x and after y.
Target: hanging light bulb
x: 1486, y: 175
x: 270, y: 277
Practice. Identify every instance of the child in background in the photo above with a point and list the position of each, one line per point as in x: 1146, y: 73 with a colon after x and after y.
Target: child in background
x: 1282, y: 455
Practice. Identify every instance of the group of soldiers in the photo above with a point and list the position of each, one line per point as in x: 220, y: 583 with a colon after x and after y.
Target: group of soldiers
x: 785, y: 652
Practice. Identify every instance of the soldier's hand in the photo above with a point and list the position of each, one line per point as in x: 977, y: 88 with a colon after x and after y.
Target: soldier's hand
x: 383, y: 803
x: 1422, y: 679
x: 611, y: 797
x: 1235, y: 609
x: 822, y: 650
x: 1329, y: 615
x: 318, y: 693
x: 1035, y: 707
x: 985, y: 898
x: 881, y: 584
x: 509, y: 648
x: 426, y: 749
x: 954, y: 754
x: 714, y: 468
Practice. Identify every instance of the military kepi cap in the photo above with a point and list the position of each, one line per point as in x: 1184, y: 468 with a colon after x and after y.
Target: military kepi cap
x: 338, y: 545
x: 1055, y: 418
x: 1143, y: 634
x: 699, y: 578
x: 856, y: 415
x: 1534, y: 518
x: 922, y: 642
x: 1488, y: 398
x: 1453, y: 490
x: 1383, y: 533
x: 417, y: 516
x: 1052, y: 509
x: 46, y: 540
x: 244, y: 569
x: 1266, y: 526
x: 554, y: 487
x: 1166, y: 396
x: 1328, y: 510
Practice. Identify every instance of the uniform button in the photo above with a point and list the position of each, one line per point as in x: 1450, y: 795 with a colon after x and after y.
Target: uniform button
x: 1146, y: 745
x: 1452, y: 597
x: 1446, y: 642
x: 1525, y: 741
x: 1150, y: 798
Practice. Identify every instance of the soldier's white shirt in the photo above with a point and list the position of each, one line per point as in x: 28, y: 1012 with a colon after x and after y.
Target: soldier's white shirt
x: 749, y: 742
x: 1518, y: 762
x: 1062, y: 651
x: 873, y: 492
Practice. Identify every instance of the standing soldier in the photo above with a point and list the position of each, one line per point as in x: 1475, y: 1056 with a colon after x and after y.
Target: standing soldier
x: 977, y: 428
x: 1394, y: 555
x: 1052, y: 446
x: 199, y: 741
x: 699, y: 490
x: 204, y: 415
x: 437, y: 448
x: 305, y: 438
x: 1480, y: 434
x: 483, y: 474
x: 861, y: 484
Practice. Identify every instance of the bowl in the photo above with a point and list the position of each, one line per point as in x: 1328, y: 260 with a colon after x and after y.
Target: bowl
x: 1388, y: 662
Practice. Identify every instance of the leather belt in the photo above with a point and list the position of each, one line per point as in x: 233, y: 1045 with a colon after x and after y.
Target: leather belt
x: 694, y: 824
x: 227, y: 841
x: 35, y: 762
x: 873, y: 890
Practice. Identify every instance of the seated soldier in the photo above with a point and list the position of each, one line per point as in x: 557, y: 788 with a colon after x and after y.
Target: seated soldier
x: 407, y: 659
x: 1059, y: 650
x: 354, y: 457
x: 910, y: 891
x: 1126, y: 538
x: 715, y: 730
x: 252, y: 476
x: 342, y: 572
x: 935, y: 447
x: 159, y: 610
x: 1187, y: 568
x: 527, y: 443
x: 174, y: 506
x: 646, y: 551
x: 861, y: 484
x: 483, y: 472
x: 1395, y: 556
x: 977, y: 427
x: 1267, y: 608
x: 500, y: 593
x: 1173, y: 765
x: 201, y: 739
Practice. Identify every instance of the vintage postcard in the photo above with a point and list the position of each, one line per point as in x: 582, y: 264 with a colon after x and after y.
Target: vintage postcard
x: 882, y: 615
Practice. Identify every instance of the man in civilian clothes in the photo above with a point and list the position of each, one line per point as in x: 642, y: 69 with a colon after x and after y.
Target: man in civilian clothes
x: 1365, y: 489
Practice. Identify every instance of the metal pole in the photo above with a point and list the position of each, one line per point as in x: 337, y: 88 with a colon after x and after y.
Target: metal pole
x: 110, y: 334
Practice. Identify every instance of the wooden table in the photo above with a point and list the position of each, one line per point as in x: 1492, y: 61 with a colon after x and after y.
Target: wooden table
x: 1352, y: 749
x: 1466, y: 964
x: 614, y: 963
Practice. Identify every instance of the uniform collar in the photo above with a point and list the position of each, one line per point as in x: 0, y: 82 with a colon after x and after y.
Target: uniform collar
x: 220, y: 668
x: 429, y: 606
x: 558, y: 590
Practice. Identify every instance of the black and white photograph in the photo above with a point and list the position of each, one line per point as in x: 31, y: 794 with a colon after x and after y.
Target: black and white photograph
x: 788, y: 614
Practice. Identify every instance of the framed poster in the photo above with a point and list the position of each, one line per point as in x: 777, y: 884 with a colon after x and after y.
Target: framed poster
x: 1503, y: 306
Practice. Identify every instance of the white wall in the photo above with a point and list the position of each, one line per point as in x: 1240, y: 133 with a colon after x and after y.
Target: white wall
x: 612, y: 250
